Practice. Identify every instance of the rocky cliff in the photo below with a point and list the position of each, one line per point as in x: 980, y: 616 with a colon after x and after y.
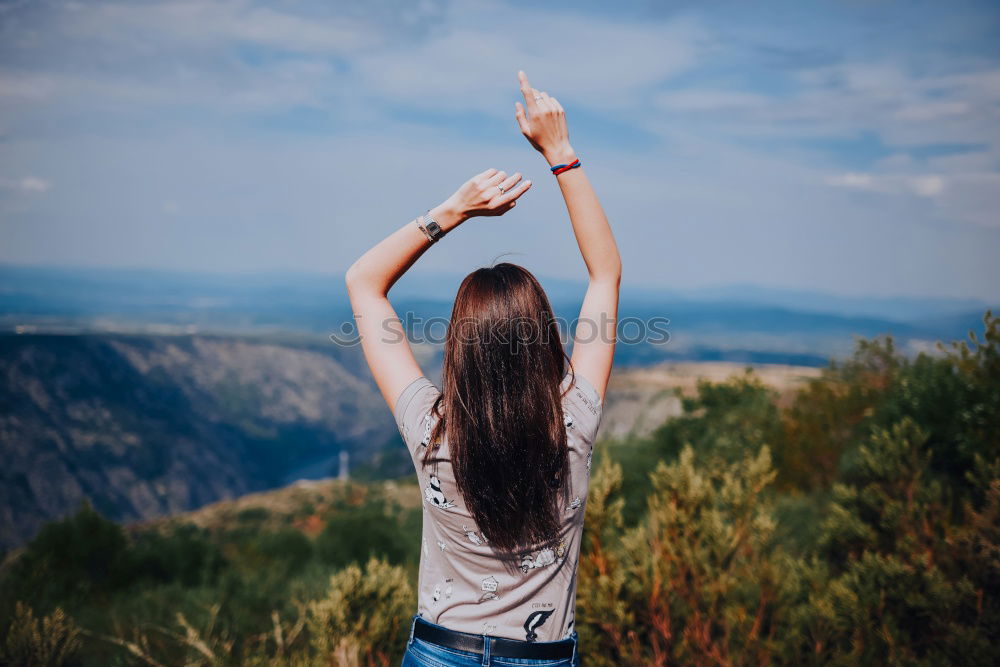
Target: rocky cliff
x: 151, y: 425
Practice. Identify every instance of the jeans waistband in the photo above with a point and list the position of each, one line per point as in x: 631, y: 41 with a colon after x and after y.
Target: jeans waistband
x: 488, y: 645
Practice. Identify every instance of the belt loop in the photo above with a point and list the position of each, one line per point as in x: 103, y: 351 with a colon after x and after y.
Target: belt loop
x: 572, y: 660
x: 413, y: 624
x: 486, y: 650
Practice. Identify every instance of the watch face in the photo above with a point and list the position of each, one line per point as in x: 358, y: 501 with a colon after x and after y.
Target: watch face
x: 434, y: 229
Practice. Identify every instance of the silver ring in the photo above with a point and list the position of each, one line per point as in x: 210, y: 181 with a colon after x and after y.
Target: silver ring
x: 500, y: 188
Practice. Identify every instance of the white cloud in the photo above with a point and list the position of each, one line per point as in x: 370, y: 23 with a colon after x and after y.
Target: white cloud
x: 956, y: 105
x: 29, y: 184
x: 853, y: 180
x: 931, y: 111
x: 902, y: 107
x: 209, y: 24
x: 227, y: 56
x: 471, y: 63
x: 972, y: 198
x: 927, y: 185
x: 712, y: 100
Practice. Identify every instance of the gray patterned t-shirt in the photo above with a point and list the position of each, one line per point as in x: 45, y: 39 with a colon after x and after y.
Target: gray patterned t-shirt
x: 464, y: 585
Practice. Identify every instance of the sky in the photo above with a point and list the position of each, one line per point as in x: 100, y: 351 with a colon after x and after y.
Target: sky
x: 851, y: 147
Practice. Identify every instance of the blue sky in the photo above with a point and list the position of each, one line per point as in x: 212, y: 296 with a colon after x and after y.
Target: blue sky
x: 852, y: 147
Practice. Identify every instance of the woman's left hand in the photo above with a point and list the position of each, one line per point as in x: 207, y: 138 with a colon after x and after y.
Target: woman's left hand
x: 490, y: 193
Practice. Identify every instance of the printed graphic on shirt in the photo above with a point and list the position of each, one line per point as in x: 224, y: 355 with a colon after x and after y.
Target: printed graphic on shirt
x: 476, y: 538
x: 441, y: 545
x: 443, y: 590
x: 427, y: 431
x: 423, y: 540
x: 534, y: 621
x: 489, y: 628
x: 590, y: 455
x: 490, y: 588
x: 568, y: 420
x: 569, y: 627
x: 435, y: 496
x: 576, y: 503
x: 543, y: 557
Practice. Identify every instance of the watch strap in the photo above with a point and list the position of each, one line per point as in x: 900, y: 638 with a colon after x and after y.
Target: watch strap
x: 430, y: 227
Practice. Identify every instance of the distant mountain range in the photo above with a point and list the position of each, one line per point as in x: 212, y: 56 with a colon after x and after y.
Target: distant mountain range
x: 738, y: 322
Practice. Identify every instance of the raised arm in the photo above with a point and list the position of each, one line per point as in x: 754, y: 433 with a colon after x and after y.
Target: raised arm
x: 369, y: 279
x: 543, y: 122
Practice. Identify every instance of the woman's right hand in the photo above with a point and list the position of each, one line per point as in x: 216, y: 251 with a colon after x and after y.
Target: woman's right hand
x: 488, y: 193
x: 543, y: 123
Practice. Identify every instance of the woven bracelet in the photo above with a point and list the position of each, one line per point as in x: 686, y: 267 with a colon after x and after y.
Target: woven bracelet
x: 560, y: 168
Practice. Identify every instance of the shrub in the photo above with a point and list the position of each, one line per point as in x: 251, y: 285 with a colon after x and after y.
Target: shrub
x: 698, y: 580
x: 50, y: 641
x: 364, y: 617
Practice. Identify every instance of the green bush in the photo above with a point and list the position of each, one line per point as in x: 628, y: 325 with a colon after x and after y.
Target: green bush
x: 364, y: 616
x: 372, y: 529
x: 50, y: 641
x: 84, y: 557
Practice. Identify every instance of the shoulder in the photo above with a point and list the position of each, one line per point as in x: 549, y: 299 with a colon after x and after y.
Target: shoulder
x: 413, y: 407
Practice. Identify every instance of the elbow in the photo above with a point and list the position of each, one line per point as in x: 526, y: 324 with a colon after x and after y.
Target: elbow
x: 610, y: 274
x: 355, y: 280
x: 351, y: 278
x: 359, y: 283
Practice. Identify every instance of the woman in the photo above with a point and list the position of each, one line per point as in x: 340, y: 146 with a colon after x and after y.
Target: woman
x: 503, y: 449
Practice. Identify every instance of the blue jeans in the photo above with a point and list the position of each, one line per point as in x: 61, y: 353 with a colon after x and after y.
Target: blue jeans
x: 424, y: 654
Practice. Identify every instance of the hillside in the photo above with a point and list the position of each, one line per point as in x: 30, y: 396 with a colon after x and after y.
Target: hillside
x: 301, y: 505
x: 641, y: 399
x: 151, y: 425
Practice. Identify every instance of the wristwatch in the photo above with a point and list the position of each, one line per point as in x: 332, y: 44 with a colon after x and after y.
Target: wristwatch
x: 429, y: 227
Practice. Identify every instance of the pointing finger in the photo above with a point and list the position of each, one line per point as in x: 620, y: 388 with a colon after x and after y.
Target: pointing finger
x: 528, y: 92
x: 523, y: 78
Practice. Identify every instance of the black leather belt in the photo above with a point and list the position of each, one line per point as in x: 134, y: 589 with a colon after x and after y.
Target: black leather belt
x: 499, y: 646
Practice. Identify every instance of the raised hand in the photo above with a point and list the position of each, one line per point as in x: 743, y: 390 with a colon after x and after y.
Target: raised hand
x: 543, y: 122
x: 488, y: 193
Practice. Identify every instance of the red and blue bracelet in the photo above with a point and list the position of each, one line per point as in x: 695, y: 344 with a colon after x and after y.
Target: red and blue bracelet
x: 560, y: 168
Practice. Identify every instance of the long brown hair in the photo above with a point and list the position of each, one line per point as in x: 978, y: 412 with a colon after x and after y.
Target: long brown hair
x: 500, y: 407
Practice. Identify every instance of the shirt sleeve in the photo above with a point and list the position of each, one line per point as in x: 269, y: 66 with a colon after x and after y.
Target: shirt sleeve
x: 585, y: 406
x: 413, y: 413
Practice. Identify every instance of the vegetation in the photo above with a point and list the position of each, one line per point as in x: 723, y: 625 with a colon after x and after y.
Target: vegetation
x: 858, y: 523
